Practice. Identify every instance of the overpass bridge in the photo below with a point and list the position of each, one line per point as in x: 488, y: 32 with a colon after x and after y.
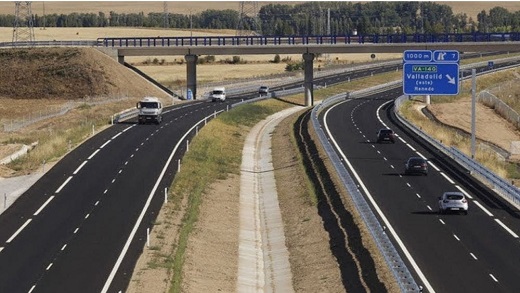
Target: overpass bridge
x: 307, y: 46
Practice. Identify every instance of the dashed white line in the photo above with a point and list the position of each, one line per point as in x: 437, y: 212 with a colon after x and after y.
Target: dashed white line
x: 392, y: 166
x: 32, y: 288
x: 429, y: 207
x: 1, y: 248
x: 79, y: 168
x: 93, y: 154
x: 126, y: 163
x: 411, y: 147
x: 108, y: 141
x: 493, y: 277
x: 76, y: 231
x: 442, y: 222
x: 43, y: 205
x: 418, y: 195
x: 106, y: 190
x: 113, y: 180
x: 63, y: 247
x: 18, y: 231
x: 506, y: 228
x: 49, y: 267
x: 384, y: 158
x: 97, y: 202
x: 63, y: 185
x: 120, y: 171
x: 86, y: 216
x: 113, y: 137
x: 421, y: 155
x: 483, y: 208
x: 473, y: 256
x: 408, y: 184
x: 447, y: 178
x: 458, y: 239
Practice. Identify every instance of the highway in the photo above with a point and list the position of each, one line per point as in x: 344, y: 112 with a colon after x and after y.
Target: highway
x: 82, y: 226
x: 448, y: 253
x: 66, y: 233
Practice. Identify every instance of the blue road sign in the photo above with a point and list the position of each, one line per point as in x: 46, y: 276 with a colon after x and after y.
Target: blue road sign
x: 417, y: 56
x: 431, y: 78
x: 446, y: 56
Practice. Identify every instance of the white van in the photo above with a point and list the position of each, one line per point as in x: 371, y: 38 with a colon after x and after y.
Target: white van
x: 218, y: 94
x: 150, y: 110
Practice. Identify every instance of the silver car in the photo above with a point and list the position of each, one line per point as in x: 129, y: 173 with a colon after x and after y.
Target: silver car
x: 453, y: 201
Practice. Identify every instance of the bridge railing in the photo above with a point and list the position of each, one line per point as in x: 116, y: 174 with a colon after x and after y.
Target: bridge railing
x: 304, y: 40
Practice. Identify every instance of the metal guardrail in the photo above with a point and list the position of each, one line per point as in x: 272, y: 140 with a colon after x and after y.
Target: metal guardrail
x: 53, y: 43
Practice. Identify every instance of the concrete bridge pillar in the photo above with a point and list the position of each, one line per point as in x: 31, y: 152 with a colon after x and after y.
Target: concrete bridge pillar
x: 308, y: 78
x: 121, y: 59
x: 191, y: 71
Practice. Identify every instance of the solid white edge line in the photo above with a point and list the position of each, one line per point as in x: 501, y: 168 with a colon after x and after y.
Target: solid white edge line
x: 63, y: 185
x: 79, y: 168
x: 483, y: 208
x: 44, y: 205
x: 18, y: 231
x: 506, y: 228
x: 93, y: 154
x: 464, y: 191
x: 447, y: 178
x: 143, y: 212
x: 376, y: 207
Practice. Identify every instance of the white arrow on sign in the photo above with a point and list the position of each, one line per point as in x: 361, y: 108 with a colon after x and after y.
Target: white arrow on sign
x: 451, y: 79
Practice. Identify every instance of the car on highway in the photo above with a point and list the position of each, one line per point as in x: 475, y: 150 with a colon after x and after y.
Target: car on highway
x: 385, y: 135
x: 416, y: 165
x: 263, y: 90
x: 453, y: 201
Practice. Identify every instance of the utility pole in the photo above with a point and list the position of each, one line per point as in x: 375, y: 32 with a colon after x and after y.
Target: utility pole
x: 23, y: 29
x: 166, y: 15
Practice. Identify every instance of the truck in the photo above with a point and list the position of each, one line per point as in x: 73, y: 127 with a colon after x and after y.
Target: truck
x: 218, y: 94
x: 149, y: 110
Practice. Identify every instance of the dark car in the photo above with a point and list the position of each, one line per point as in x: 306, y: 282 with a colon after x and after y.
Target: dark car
x: 385, y: 135
x: 416, y: 165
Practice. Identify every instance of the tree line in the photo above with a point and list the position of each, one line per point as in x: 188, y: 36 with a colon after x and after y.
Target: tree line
x: 309, y: 18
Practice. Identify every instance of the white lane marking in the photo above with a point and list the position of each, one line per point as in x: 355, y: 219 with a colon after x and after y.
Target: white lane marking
x: 63, y: 185
x: 108, y: 141
x: 93, y: 154
x: 76, y: 231
x: 126, y: 163
x: 447, y: 178
x: 384, y: 158
x: 97, y: 202
x: 86, y: 217
x: 79, y: 168
x: 483, y: 208
x: 493, y: 277
x: 464, y: 191
x: 1, y: 248
x: 411, y: 147
x: 408, y: 184
x: 390, y: 228
x: 113, y: 137
x: 128, y: 128
x: 418, y: 195
x: 442, y: 222
x: 32, y: 288
x: 429, y: 208
x: 106, y: 190
x: 49, y: 267
x: 433, y: 166
x: 143, y: 212
x: 120, y: 171
x: 63, y: 248
x: 401, y: 139
x: 458, y: 239
x: 43, y: 205
x: 113, y: 180
x: 18, y: 231
x: 421, y: 155
x: 506, y: 228
x: 474, y: 256
x: 392, y: 166
x: 378, y: 152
